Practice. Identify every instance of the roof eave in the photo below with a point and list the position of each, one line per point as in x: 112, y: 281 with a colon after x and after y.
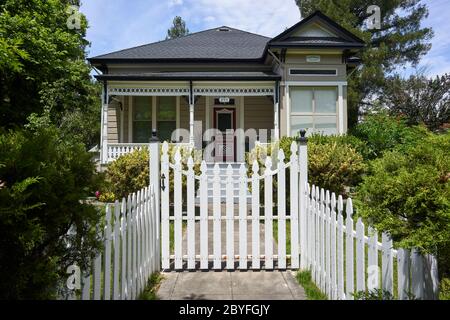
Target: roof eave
x: 187, y: 78
x: 99, y: 61
x: 315, y: 46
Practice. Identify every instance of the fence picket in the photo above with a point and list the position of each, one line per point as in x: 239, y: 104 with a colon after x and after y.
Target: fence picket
x: 116, y: 243
x: 230, y: 218
x: 417, y: 278
x: 86, y: 287
x: 317, y: 232
x: 134, y: 245
x: 328, y: 245
x: 217, y: 219
x: 178, y: 202
x: 373, y: 281
x: 403, y: 270
x: 360, y: 257
x: 350, y: 289
x: 97, y: 276
x: 165, y: 183
x: 107, y: 248
x: 313, y: 232
x: 138, y: 244
x: 281, y: 195
x: 255, y: 216
x: 268, y: 220
x: 333, y: 248
x: 191, y: 214
x: 204, y: 259
x: 242, y: 217
x: 387, y: 267
x: 308, y: 227
x: 130, y: 247
x: 294, y: 206
x: 340, y: 250
x: 322, y: 241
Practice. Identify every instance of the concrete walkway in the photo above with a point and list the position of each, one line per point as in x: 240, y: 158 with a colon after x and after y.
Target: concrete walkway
x: 238, y: 285
x: 226, y: 285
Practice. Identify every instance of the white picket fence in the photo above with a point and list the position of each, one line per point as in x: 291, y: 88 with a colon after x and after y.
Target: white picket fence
x: 218, y: 215
x: 130, y: 253
x: 336, y: 252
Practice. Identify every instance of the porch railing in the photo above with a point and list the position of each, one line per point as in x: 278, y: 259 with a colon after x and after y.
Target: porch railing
x: 115, y: 150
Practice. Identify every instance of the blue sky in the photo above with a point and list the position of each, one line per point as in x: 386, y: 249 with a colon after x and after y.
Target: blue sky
x: 120, y: 24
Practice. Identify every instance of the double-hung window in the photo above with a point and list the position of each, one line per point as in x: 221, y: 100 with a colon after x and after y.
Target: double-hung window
x: 314, y: 109
x: 142, y: 119
x: 166, y: 117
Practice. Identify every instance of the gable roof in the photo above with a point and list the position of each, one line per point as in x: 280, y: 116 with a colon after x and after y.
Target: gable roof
x: 221, y: 43
x: 225, y: 44
x: 339, y: 37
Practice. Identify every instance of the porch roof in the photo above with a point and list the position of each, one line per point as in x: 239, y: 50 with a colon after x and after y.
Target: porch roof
x: 199, y: 76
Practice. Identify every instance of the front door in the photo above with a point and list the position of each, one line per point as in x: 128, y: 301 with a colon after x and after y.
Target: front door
x: 225, y: 123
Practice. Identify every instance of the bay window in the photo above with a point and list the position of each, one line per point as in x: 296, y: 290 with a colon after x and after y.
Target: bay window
x: 314, y: 109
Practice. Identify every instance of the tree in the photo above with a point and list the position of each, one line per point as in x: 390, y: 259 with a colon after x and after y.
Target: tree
x: 43, y: 178
x: 420, y: 100
x: 401, y: 40
x: 44, y: 66
x: 407, y: 194
x: 178, y: 29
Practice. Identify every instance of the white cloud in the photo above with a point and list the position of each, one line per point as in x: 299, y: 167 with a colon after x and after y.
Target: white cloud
x: 173, y: 3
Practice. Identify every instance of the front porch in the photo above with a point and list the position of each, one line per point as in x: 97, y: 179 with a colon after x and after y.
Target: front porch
x: 233, y: 116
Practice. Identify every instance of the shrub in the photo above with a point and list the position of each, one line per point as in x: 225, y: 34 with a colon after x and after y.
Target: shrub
x: 408, y: 195
x: 130, y: 172
x: 43, y: 179
x: 383, y: 133
x: 333, y: 163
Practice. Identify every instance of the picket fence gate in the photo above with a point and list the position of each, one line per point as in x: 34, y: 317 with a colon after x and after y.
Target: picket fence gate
x: 194, y: 259
x: 336, y: 254
x: 131, y: 250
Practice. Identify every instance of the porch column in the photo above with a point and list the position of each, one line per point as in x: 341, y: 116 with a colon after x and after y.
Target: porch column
x: 341, y: 108
x: 104, y: 131
x: 191, y: 115
x: 276, y: 116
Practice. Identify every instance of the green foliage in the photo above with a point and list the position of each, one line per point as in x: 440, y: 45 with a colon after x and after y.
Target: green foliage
x: 43, y: 180
x: 178, y: 29
x: 376, y: 294
x: 382, y: 133
x: 444, y: 290
x: 311, y: 290
x: 402, y: 39
x: 43, y: 67
x: 333, y: 162
x: 128, y: 174
x: 150, y: 290
x: 420, y: 100
x: 408, y: 195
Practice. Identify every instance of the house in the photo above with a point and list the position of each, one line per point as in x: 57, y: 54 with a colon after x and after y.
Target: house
x: 227, y: 86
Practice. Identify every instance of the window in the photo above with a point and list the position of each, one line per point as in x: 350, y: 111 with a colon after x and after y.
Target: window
x: 167, y: 117
x: 313, y: 72
x: 142, y: 119
x: 314, y: 109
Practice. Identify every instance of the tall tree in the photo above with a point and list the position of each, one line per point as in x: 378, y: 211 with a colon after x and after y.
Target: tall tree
x: 419, y: 99
x: 401, y: 40
x: 178, y: 29
x: 44, y: 44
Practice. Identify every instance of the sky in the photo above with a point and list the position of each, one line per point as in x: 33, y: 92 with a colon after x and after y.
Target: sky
x: 121, y: 24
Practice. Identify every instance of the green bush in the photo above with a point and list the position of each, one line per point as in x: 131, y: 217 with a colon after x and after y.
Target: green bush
x: 444, y: 290
x: 43, y: 179
x: 333, y: 162
x: 130, y: 172
x: 407, y: 194
x: 383, y: 133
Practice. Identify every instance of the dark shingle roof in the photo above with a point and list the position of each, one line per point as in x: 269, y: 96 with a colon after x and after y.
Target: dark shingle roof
x: 223, y: 76
x: 206, y: 45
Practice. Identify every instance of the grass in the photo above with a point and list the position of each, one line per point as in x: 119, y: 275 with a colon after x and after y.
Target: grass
x: 311, y: 290
x: 288, y: 234
x: 151, y: 288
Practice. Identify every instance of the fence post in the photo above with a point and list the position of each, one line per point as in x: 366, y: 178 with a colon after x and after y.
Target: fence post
x: 303, y: 180
x: 154, y: 156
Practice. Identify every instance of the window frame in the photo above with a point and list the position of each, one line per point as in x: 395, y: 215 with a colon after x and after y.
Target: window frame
x: 315, y: 115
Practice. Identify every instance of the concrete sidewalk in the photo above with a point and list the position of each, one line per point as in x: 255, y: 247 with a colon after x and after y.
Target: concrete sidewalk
x: 224, y: 285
